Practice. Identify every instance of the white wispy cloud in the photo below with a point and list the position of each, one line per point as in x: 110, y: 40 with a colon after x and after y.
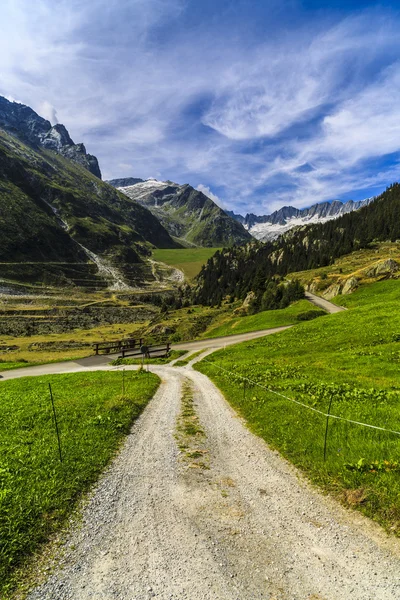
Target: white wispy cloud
x: 207, y: 192
x: 293, y: 120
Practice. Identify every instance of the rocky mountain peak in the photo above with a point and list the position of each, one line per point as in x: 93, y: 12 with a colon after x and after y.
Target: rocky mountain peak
x: 124, y: 181
x: 56, y: 138
x: 186, y: 213
x: 23, y: 122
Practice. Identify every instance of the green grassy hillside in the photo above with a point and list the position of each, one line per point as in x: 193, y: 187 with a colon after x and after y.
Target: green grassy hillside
x: 267, y: 319
x: 350, y: 359
x: 95, y: 215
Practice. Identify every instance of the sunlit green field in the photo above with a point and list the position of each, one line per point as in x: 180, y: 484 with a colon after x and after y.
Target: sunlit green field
x: 349, y: 360
x: 188, y: 260
x: 37, y: 491
x: 264, y: 320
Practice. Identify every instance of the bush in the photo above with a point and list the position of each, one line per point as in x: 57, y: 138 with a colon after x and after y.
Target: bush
x: 310, y: 314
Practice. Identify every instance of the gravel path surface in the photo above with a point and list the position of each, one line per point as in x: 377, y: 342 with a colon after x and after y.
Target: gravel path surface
x: 246, y: 528
x: 325, y: 304
x: 92, y: 363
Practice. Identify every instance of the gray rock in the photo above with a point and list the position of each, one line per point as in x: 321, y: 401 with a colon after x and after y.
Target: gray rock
x: 332, y: 291
x: 350, y: 285
x: 24, y: 123
x: 386, y: 267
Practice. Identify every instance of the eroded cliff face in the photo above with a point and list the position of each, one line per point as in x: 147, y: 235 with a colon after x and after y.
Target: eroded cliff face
x: 27, y: 125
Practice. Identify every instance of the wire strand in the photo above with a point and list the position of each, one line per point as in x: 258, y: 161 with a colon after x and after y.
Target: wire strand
x: 316, y: 410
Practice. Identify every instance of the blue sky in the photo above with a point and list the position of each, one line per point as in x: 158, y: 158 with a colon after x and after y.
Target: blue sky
x: 259, y: 103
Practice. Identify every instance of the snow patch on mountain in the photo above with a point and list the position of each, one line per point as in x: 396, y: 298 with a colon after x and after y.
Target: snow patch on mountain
x: 141, y: 190
x: 270, y: 227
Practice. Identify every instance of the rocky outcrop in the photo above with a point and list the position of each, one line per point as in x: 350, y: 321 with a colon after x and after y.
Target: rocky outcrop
x: 382, y: 268
x: 351, y: 284
x: 27, y: 125
x: 244, y: 309
x: 77, y: 153
x: 347, y: 285
x: 332, y: 291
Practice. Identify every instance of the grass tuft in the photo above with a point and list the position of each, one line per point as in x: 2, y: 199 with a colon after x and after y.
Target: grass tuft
x: 189, y: 434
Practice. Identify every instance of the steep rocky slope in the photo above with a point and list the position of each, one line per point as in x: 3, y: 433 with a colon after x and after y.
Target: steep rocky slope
x: 186, y: 213
x: 59, y: 223
x: 28, y: 126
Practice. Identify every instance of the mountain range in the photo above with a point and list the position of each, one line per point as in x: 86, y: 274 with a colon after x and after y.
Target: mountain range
x: 187, y: 214
x: 59, y: 223
x: 270, y: 227
x: 256, y: 268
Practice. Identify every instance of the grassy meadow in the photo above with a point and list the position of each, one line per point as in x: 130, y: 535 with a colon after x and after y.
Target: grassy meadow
x: 195, y: 322
x: 349, y: 362
x: 267, y: 319
x: 37, y: 491
x: 188, y: 260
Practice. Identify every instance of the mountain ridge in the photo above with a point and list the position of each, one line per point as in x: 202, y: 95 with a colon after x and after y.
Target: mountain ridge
x: 60, y: 224
x: 269, y: 227
x: 23, y: 122
x: 187, y: 214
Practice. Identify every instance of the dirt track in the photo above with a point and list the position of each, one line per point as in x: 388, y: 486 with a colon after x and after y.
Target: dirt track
x: 92, y: 363
x: 324, y: 304
x: 247, y: 528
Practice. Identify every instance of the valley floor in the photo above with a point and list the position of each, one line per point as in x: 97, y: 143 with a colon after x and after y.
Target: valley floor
x: 219, y: 516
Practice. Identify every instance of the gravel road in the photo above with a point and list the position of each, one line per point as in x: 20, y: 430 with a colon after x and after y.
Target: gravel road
x: 93, y: 363
x: 325, y: 304
x: 244, y: 527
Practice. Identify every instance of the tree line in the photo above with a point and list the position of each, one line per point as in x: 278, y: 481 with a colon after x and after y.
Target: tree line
x: 260, y: 268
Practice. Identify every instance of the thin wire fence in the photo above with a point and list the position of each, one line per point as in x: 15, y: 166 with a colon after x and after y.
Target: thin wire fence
x: 339, y: 439
x: 308, y: 407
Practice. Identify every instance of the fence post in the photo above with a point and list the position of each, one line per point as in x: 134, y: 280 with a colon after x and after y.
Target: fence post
x: 55, y: 421
x: 326, y: 428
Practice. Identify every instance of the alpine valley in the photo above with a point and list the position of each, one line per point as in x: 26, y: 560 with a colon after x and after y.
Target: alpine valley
x: 87, y: 263
x: 195, y: 402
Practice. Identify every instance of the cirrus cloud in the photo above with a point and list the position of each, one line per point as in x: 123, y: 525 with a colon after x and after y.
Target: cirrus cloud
x: 262, y: 113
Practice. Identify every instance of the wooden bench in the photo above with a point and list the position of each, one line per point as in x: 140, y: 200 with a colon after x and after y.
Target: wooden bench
x: 155, y: 351
x: 116, y: 346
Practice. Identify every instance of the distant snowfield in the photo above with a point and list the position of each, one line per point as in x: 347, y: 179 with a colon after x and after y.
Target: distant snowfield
x: 279, y: 222
x: 270, y: 231
x: 141, y: 190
